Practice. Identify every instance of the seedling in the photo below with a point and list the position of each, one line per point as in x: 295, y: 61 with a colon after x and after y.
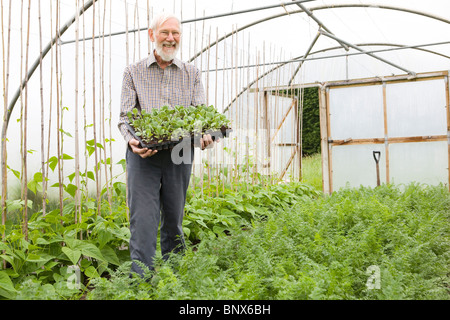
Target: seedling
x: 164, y: 127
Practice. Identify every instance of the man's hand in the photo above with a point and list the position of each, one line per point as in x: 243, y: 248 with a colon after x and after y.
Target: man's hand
x: 207, y: 142
x: 143, y: 152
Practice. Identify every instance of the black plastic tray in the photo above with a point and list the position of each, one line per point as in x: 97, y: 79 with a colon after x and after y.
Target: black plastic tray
x: 171, y: 143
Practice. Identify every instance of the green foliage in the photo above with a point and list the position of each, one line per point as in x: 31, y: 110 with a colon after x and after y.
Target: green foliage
x: 237, y: 207
x: 312, y: 171
x: 315, y: 249
x: 54, y: 244
x: 38, y: 263
x: 311, y: 122
x: 246, y: 241
x: 168, y: 123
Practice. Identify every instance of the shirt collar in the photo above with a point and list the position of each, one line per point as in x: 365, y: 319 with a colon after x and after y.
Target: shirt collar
x: 152, y: 59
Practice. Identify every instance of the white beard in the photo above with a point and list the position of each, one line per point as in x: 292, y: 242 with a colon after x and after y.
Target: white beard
x: 166, y: 56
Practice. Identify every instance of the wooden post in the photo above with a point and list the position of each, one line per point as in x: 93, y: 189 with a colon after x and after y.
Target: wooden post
x: 324, y: 140
x: 386, y: 133
x: 447, y: 96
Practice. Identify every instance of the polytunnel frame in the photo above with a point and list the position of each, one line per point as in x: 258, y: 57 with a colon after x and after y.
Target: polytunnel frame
x: 7, y: 114
x: 327, y: 142
x: 304, y: 57
x: 326, y: 161
x: 321, y: 26
x: 57, y: 40
x: 309, y: 11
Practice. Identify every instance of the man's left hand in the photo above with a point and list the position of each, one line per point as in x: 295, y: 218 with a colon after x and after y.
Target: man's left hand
x: 206, y: 142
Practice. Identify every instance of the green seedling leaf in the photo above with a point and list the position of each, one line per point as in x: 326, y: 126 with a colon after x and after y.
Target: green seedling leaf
x: 110, y: 255
x: 86, y: 248
x: 15, y: 172
x: 53, y: 162
x: 91, y: 175
x: 71, y: 189
x: 90, y: 150
x: 65, y: 133
x: 73, y: 254
x: 91, y: 272
x: 90, y: 250
x: 123, y: 163
x: 7, y: 289
x: 66, y: 157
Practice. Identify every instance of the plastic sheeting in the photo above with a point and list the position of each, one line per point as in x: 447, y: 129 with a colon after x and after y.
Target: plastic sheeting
x: 408, y: 128
x: 416, y: 108
x: 356, y: 112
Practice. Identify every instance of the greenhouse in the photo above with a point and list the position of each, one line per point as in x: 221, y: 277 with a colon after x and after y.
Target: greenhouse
x: 361, y: 87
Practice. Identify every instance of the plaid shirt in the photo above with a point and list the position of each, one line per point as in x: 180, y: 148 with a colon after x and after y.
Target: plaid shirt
x: 145, y: 86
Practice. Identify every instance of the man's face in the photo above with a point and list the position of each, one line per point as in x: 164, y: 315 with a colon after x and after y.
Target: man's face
x: 167, y: 39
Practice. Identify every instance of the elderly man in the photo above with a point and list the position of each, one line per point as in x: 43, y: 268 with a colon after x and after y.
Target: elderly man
x: 156, y: 186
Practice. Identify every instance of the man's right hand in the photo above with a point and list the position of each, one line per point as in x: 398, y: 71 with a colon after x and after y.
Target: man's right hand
x: 143, y: 152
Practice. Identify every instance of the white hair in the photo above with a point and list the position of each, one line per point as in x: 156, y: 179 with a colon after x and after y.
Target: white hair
x: 159, y: 19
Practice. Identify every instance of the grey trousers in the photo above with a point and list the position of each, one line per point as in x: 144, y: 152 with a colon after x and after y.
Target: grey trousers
x: 156, y: 193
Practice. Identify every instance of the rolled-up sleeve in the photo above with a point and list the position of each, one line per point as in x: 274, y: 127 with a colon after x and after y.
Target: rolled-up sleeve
x: 128, y: 101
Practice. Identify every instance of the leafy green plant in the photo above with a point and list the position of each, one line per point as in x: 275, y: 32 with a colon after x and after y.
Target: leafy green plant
x: 38, y: 263
x: 54, y: 244
x: 206, y: 217
x: 315, y: 249
x: 165, y: 123
x: 246, y: 241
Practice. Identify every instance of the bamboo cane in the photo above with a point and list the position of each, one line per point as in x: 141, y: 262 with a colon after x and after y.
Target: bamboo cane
x: 217, y: 172
x: 236, y: 107
x: 148, y: 26
x: 233, y: 108
x: 58, y: 116
x: 77, y: 215
x: 22, y: 135
x: 85, y: 125
x: 41, y: 88
x: 127, y: 50
x: 208, y: 152
x: 50, y: 110
x: 223, y: 103
x: 247, y: 126
x: 110, y: 99
x: 94, y: 120
x: 102, y: 110
x: 255, y: 150
x: 230, y: 165
x: 5, y: 115
x: 265, y: 116
x: 201, y: 67
x: 21, y: 105
x: 181, y: 18
x: 126, y: 46
x: 242, y: 106
x: 138, y: 33
x: 4, y: 104
x: 25, y: 122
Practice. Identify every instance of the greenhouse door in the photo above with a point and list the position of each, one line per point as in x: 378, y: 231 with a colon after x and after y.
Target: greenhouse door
x: 391, y: 130
x: 283, y: 150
